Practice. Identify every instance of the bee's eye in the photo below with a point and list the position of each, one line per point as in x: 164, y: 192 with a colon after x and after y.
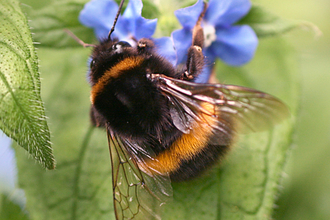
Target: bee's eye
x: 118, y: 47
x: 92, y: 63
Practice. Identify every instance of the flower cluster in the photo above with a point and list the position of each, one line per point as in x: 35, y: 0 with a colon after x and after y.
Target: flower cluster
x: 99, y: 15
x: 234, y: 44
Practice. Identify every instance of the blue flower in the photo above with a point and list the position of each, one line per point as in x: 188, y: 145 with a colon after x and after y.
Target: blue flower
x: 8, y: 171
x: 131, y: 26
x: 100, y: 14
x: 234, y: 44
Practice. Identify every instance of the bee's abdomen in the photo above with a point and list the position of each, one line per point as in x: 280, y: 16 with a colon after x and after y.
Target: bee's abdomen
x: 193, y: 152
x: 200, y: 162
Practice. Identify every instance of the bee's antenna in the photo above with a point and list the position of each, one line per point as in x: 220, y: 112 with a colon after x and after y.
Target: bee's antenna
x: 77, y: 39
x: 116, y: 18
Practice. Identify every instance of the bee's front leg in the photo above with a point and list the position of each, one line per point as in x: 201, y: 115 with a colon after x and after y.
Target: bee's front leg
x: 145, y: 46
x: 195, y: 61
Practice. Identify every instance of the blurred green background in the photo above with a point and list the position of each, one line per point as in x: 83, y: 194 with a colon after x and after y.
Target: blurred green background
x: 306, y: 184
x: 305, y: 191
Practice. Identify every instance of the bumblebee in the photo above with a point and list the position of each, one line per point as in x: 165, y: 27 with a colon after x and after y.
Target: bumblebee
x: 161, y: 125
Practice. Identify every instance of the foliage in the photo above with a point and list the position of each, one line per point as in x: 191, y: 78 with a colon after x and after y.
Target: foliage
x: 21, y: 111
x: 244, y: 186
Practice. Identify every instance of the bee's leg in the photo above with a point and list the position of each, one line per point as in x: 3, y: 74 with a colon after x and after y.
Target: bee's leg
x: 145, y: 46
x: 195, y: 61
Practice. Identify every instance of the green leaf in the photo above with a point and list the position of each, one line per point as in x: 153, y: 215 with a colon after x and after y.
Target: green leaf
x: 80, y: 187
x: 49, y: 22
x: 21, y: 110
x: 9, y: 210
x: 267, y: 24
x: 243, y: 186
x: 149, y: 10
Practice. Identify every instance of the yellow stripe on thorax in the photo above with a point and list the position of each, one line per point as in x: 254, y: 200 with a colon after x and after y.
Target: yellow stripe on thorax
x: 114, y: 72
x: 186, y: 147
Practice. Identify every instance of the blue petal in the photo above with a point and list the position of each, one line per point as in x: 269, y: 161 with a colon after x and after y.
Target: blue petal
x: 123, y: 29
x: 99, y: 14
x: 165, y: 48
x: 189, y: 16
x: 204, y: 77
x: 182, y: 40
x: 133, y: 9
x: 8, y: 171
x: 144, y: 27
x: 131, y: 22
x: 235, y: 45
x: 226, y: 12
x: 138, y: 28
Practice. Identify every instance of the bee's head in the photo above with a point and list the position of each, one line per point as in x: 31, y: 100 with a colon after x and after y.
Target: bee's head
x: 107, y: 54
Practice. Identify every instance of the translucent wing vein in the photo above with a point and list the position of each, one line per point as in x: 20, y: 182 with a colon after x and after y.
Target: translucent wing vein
x: 136, y: 195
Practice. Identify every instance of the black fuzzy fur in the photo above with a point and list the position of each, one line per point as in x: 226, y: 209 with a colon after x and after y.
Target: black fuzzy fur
x: 135, y: 109
x: 202, y: 161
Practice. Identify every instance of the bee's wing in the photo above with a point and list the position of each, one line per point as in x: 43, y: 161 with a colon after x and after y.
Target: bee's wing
x: 235, y: 108
x: 136, y: 195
